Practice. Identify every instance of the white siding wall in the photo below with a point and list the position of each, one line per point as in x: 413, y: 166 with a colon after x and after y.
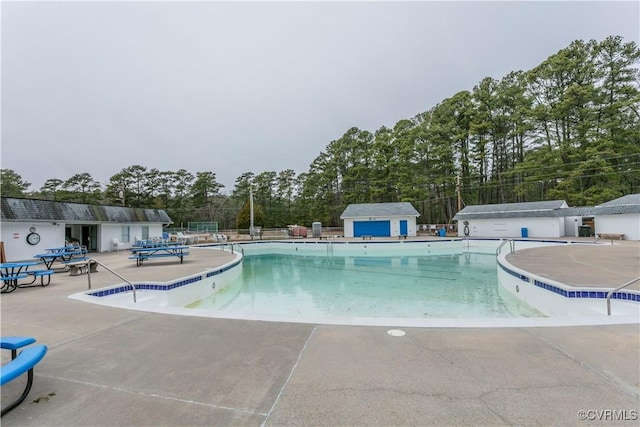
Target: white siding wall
x: 348, y: 227
x: 511, y: 227
x: 619, y: 224
x: 14, y: 236
x: 395, y: 225
x: 16, y: 248
x: 108, y: 232
x: 571, y: 226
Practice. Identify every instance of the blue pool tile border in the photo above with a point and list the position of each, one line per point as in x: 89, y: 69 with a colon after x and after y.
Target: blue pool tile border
x: 577, y: 293
x: 163, y: 286
x: 514, y: 274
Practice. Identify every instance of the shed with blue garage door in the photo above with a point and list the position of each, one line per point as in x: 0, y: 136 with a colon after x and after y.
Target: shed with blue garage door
x: 380, y: 220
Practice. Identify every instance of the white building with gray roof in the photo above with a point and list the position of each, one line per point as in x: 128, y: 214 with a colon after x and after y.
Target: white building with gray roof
x: 552, y: 219
x: 619, y: 216
x: 529, y: 219
x: 30, y: 226
x: 380, y: 219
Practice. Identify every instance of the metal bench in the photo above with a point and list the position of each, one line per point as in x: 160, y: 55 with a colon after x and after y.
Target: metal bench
x: 14, y: 343
x: 143, y: 254
x: 77, y: 267
x: 610, y: 236
x: 10, y: 283
x: 41, y: 274
x: 20, y: 364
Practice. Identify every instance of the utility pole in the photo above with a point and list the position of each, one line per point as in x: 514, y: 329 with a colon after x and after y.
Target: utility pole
x: 251, y: 210
x: 122, y: 194
x: 458, y: 191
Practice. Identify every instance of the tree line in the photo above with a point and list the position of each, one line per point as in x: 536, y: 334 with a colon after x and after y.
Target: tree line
x: 567, y: 129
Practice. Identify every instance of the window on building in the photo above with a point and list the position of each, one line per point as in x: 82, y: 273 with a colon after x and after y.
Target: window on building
x: 124, y: 234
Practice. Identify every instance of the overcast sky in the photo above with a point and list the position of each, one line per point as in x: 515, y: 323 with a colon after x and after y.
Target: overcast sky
x: 234, y: 87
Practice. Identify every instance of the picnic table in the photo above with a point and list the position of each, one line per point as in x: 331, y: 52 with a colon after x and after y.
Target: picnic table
x: 12, y: 272
x: 141, y: 254
x: 153, y: 244
x: 64, y: 253
x: 67, y: 248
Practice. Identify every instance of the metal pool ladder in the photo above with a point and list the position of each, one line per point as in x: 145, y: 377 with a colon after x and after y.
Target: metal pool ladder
x: 330, y: 240
x: 231, y: 246
x: 610, y: 294
x: 512, y: 245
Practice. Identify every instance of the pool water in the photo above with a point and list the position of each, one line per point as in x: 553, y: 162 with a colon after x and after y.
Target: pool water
x: 441, y: 285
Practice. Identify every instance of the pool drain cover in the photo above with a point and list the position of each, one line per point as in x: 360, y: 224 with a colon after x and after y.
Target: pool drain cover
x: 396, y: 332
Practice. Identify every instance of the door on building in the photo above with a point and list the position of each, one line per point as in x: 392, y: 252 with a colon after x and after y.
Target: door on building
x: 372, y: 228
x: 403, y: 227
x: 90, y: 237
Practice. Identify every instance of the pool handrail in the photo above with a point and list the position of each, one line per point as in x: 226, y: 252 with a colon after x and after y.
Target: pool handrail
x: 610, y: 294
x: 223, y: 246
x: 133, y: 287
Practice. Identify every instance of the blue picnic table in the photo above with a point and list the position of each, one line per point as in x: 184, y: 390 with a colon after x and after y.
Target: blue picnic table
x: 12, y: 272
x: 141, y: 254
x: 67, y: 248
x: 63, y: 253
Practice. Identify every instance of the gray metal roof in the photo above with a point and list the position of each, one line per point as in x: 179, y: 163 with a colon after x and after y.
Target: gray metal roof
x: 359, y: 210
x: 629, y: 204
x: 512, y: 210
x: 577, y: 211
x: 16, y: 209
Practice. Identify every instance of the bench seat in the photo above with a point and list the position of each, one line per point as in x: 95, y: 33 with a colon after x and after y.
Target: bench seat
x: 13, y: 277
x: 41, y: 274
x: 75, y: 260
x: 14, y: 343
x: 23, y: 363
x: 611, y: 236
x: 142, y: 256
x: 79, y: 266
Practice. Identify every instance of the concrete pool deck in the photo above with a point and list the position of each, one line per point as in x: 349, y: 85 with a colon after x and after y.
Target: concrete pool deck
x: 114, y: 367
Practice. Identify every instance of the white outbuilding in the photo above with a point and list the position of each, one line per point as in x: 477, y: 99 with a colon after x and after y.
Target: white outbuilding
x: 619, y: 216
x: 551, y: 219
x: 529, y: 219
x: 380, y: 219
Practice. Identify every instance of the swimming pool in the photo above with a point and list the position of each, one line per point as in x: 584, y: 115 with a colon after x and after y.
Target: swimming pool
x: 406, y: 271
x: 442, y: 284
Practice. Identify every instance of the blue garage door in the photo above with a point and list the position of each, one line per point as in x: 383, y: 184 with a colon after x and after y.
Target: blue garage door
x: 372, y: 228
